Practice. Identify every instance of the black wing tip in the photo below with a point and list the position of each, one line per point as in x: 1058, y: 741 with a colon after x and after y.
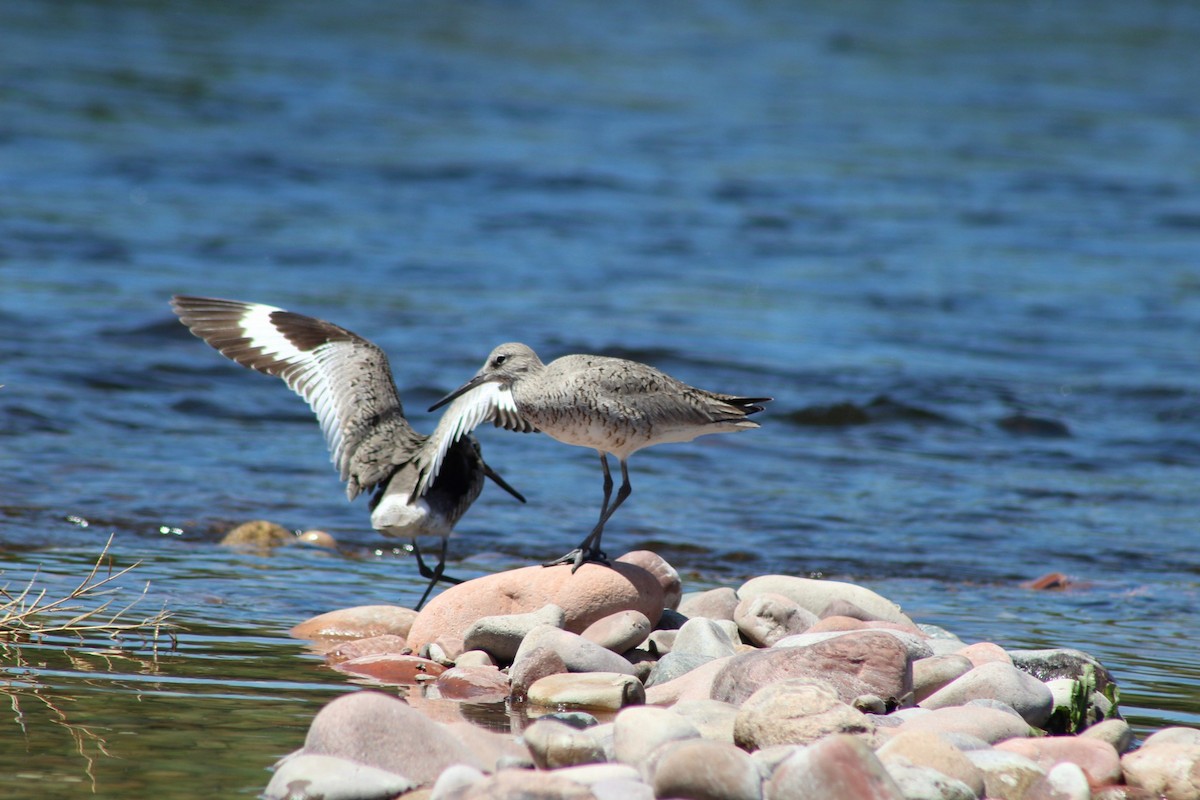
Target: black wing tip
x: 750, y: 405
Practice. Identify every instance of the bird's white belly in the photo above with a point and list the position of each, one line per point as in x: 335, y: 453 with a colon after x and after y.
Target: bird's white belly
x: 394, y: 516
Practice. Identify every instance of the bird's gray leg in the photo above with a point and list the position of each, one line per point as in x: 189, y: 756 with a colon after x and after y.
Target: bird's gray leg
x: 434, y: 575
x: 589, y: 548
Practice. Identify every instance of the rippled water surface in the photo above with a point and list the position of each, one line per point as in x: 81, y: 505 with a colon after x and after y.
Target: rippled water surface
x: 958, y: 243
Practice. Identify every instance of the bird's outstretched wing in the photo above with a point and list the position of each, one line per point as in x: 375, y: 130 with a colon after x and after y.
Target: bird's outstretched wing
x: 486, y: 402
x: 345, y: 379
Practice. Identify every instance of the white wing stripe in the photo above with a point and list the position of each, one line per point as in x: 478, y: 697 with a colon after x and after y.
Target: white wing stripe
x: 485, y: 402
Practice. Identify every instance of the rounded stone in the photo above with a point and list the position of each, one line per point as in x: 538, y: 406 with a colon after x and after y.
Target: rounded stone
x: 766, y: 618
x: 989, y: 724
x: 481, y: 684
x: 926, y: 783
x: 935, y: 672
x: 838, y: 768
x: 599, y: 690
x: 372, y: 645
x: 592, y: 592
x: 639, y: 730
x: 258, y: 535
x: 664, y: 573
x: 927, y: 749
x: 1114, y: 731
x: 1065, y: 781
x: 304, y: 775
x: 382, y: 731
x: 1005, y: 774
x: 704, y: 637
x: 712, y: 604
x: 706, y: 770
x: 714, y: 719
x: 534, y: 665
x: 1169, y: 768
x: 1098, y: 760
x: 998, y: 680
x: 795, y: 711
x: 393, y: 668
x: 866, y: 662
x: 619, y: 632
x: 555, y: 744
x: 358, y: 622
x: 501, y: 635
x: 816, y: 595
x: 521, y: 784
x: 576, y: 652
x: 982, y: 653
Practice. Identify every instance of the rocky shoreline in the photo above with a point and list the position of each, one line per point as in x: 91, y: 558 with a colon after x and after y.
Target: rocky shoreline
x: 623, y: 687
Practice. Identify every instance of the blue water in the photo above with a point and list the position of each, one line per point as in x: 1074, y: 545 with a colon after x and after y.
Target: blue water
x: 959, y: 244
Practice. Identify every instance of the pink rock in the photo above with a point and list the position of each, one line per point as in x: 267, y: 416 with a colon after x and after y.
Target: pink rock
x: 1098, y: 760
x: 393, y: 668
x: 379, y: 730
x: 796, y: 711
x: 694, y: 685
x: 359, y: 622
x: 356, y: 648
x: 836, y: 768
x: 473, y: 683
x: 985, y: 652
x: 591, y: 593
x: 990, y: 724
x: 853, y: 664
x: 1170, y: 768
x: 657, y: 566
x: 620, y: 631
x: 514, y: 784
x: 926, y: 749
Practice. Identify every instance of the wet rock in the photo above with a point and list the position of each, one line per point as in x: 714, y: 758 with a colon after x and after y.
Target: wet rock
x: 599, y: 690
x: 592, y: 592
x: 836, y: 768
x: 1006, y: 776
x: 619, y: 632
x: 555, y: 744
x: 501, y: 635
x: 317, y: 539
x: 379, y: 730
x: 481, y: 684
x: 933, y: 673
x: 258, y: 536
x: 766, y: 618
x: 664, y: 573
x: 577, y: 653
x: 989, y: 724
x: 359, y: 622
x: 374, y: 645
x: 302, y: 776
x: 1065, y: 781
x: 924, y: 783
x: 854, y: 664
x: 1098, y: 760
x: 705, y: 769
x: 1001, y: 681
x: 639, y: 730
x: 393, y: 668
x: 711, y: 604
x: 795, y: 711
x: 1169, y: 767
x: 926, y: 749
x: 816, y: 595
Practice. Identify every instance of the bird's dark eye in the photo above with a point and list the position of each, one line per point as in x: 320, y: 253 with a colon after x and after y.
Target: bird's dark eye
x: 498, y: 360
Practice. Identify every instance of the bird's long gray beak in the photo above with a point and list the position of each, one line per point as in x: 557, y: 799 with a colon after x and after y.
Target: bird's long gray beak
x: 503, y: 484
x: 466, y: 387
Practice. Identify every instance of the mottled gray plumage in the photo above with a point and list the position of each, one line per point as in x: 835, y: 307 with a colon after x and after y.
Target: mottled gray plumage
x: 609, y: 404
x: 348, y: 383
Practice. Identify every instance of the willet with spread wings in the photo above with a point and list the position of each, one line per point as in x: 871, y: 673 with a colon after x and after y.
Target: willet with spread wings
x: 348, y: 383
x: 612, y: 405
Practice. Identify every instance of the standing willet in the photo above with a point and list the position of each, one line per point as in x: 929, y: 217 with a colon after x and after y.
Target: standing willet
x: 610, y: 404
x: 348, y: 383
